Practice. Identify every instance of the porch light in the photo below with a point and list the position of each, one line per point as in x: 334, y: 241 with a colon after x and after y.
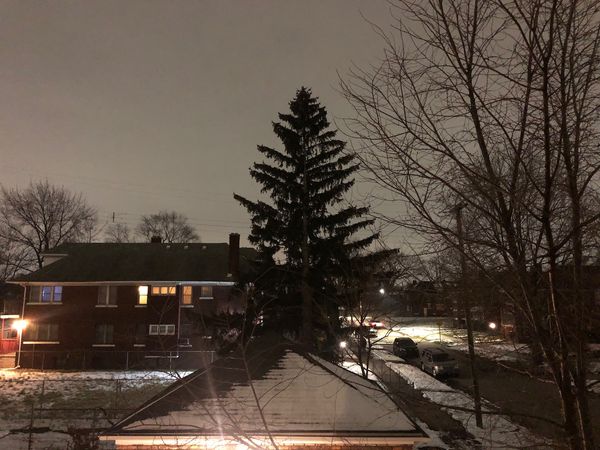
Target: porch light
x: 20, y: 325
x: 492, y: 325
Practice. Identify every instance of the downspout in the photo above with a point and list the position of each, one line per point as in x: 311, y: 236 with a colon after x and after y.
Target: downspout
x: 18, y: 365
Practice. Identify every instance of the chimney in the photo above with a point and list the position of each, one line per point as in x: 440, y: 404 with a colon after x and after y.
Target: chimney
x: 234, y: 255
x: 155, y: 240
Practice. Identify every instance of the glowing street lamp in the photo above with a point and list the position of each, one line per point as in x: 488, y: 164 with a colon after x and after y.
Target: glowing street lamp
x: 19, y: 325
x: 492, y: 325
x: 382, y: 291
x: 343, y: 344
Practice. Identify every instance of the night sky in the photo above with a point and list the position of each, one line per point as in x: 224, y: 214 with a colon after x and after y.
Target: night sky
x: 151, y: 105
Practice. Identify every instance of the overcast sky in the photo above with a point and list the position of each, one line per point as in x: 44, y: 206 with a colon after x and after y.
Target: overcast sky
x: 149, y: 105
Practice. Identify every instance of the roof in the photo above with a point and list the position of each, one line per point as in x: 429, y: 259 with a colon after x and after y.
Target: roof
x: 277, y: 390
x: 98, y: 262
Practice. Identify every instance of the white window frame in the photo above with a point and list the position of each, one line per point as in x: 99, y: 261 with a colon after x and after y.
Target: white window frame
x: 160, y: 329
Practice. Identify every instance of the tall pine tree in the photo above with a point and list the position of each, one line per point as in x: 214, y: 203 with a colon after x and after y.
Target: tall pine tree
x: 303, y: 223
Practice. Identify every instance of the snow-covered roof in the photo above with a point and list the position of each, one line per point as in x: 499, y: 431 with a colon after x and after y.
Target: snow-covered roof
x: 276, y: 391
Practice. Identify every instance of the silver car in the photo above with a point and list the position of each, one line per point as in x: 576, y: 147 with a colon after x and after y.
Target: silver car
x: 438, y: 363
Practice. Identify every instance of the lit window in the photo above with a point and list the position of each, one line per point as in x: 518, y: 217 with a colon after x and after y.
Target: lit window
x: 45, y: 294
x: 107, y: 295
x: 104, y: 333
x: 206, y: 292
x: 142, y: 295
x: 186, y: 299
x: 163, y: 290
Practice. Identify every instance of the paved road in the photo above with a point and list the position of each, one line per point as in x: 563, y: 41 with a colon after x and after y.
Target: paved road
x: 529, y: 401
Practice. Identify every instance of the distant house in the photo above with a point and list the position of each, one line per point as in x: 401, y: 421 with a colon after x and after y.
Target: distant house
x: 107, y: 305
x: 272, y: 395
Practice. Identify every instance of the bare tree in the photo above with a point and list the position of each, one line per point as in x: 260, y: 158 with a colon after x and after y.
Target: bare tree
x: 14, y: 258
x: 171, y: 227
x: 493, y: 105
x: 42, y: 216
x: 117, y: 233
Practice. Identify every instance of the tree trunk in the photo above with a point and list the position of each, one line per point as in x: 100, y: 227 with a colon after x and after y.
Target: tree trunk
x: 307, y: 319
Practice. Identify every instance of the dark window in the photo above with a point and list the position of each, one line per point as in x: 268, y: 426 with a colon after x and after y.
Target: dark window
x: 140, y: 333
x: 34, y: 294
x: 186, y: 330
x: 206, y: 292
x: 440, y: 357
x: 41, y: 332
x: 104, y: 333
x: 107, y: 295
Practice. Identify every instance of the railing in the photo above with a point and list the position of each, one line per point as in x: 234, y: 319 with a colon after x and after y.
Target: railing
x: 9, y: 345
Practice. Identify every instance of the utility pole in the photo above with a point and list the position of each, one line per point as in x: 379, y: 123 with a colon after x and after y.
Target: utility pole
x: 467, y: 306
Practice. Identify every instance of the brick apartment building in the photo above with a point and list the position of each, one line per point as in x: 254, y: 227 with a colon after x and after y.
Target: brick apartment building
x: 105, y: 305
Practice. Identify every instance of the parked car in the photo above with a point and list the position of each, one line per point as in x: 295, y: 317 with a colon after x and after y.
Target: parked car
x: 377, y: 324
x: 405, y: 348
x: 438, y: 363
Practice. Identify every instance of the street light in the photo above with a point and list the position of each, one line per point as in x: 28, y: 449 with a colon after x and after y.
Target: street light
x: 382, y: 291
x: 19, y: 325
x: 492, y: 325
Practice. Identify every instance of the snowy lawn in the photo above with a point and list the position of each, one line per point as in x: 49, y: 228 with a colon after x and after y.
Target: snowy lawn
x: 63, y: 400
x: 497, y: 352
x: 497, y: 432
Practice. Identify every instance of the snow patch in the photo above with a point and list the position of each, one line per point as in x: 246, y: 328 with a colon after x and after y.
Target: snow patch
x: 497, y: 430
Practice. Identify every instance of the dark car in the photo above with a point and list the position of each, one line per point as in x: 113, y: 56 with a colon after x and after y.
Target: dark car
x: 405, y: 348
x: 438, y: 363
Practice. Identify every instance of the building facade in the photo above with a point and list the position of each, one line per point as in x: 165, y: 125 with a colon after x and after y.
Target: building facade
x: 151, y: 305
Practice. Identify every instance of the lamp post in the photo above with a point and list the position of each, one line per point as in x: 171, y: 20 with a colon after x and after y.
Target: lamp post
x: 19, y: 325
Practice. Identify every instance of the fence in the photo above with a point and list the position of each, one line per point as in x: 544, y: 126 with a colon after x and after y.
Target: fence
x: 8, y: 345
x: 55, y: 406
x: 115, y: 359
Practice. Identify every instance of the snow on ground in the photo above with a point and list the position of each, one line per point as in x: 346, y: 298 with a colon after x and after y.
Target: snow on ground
x: 72, y: 399
x: 497, y: 352
x: 435, y: 440
x: 356, y: 368
x: 498, y: 431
